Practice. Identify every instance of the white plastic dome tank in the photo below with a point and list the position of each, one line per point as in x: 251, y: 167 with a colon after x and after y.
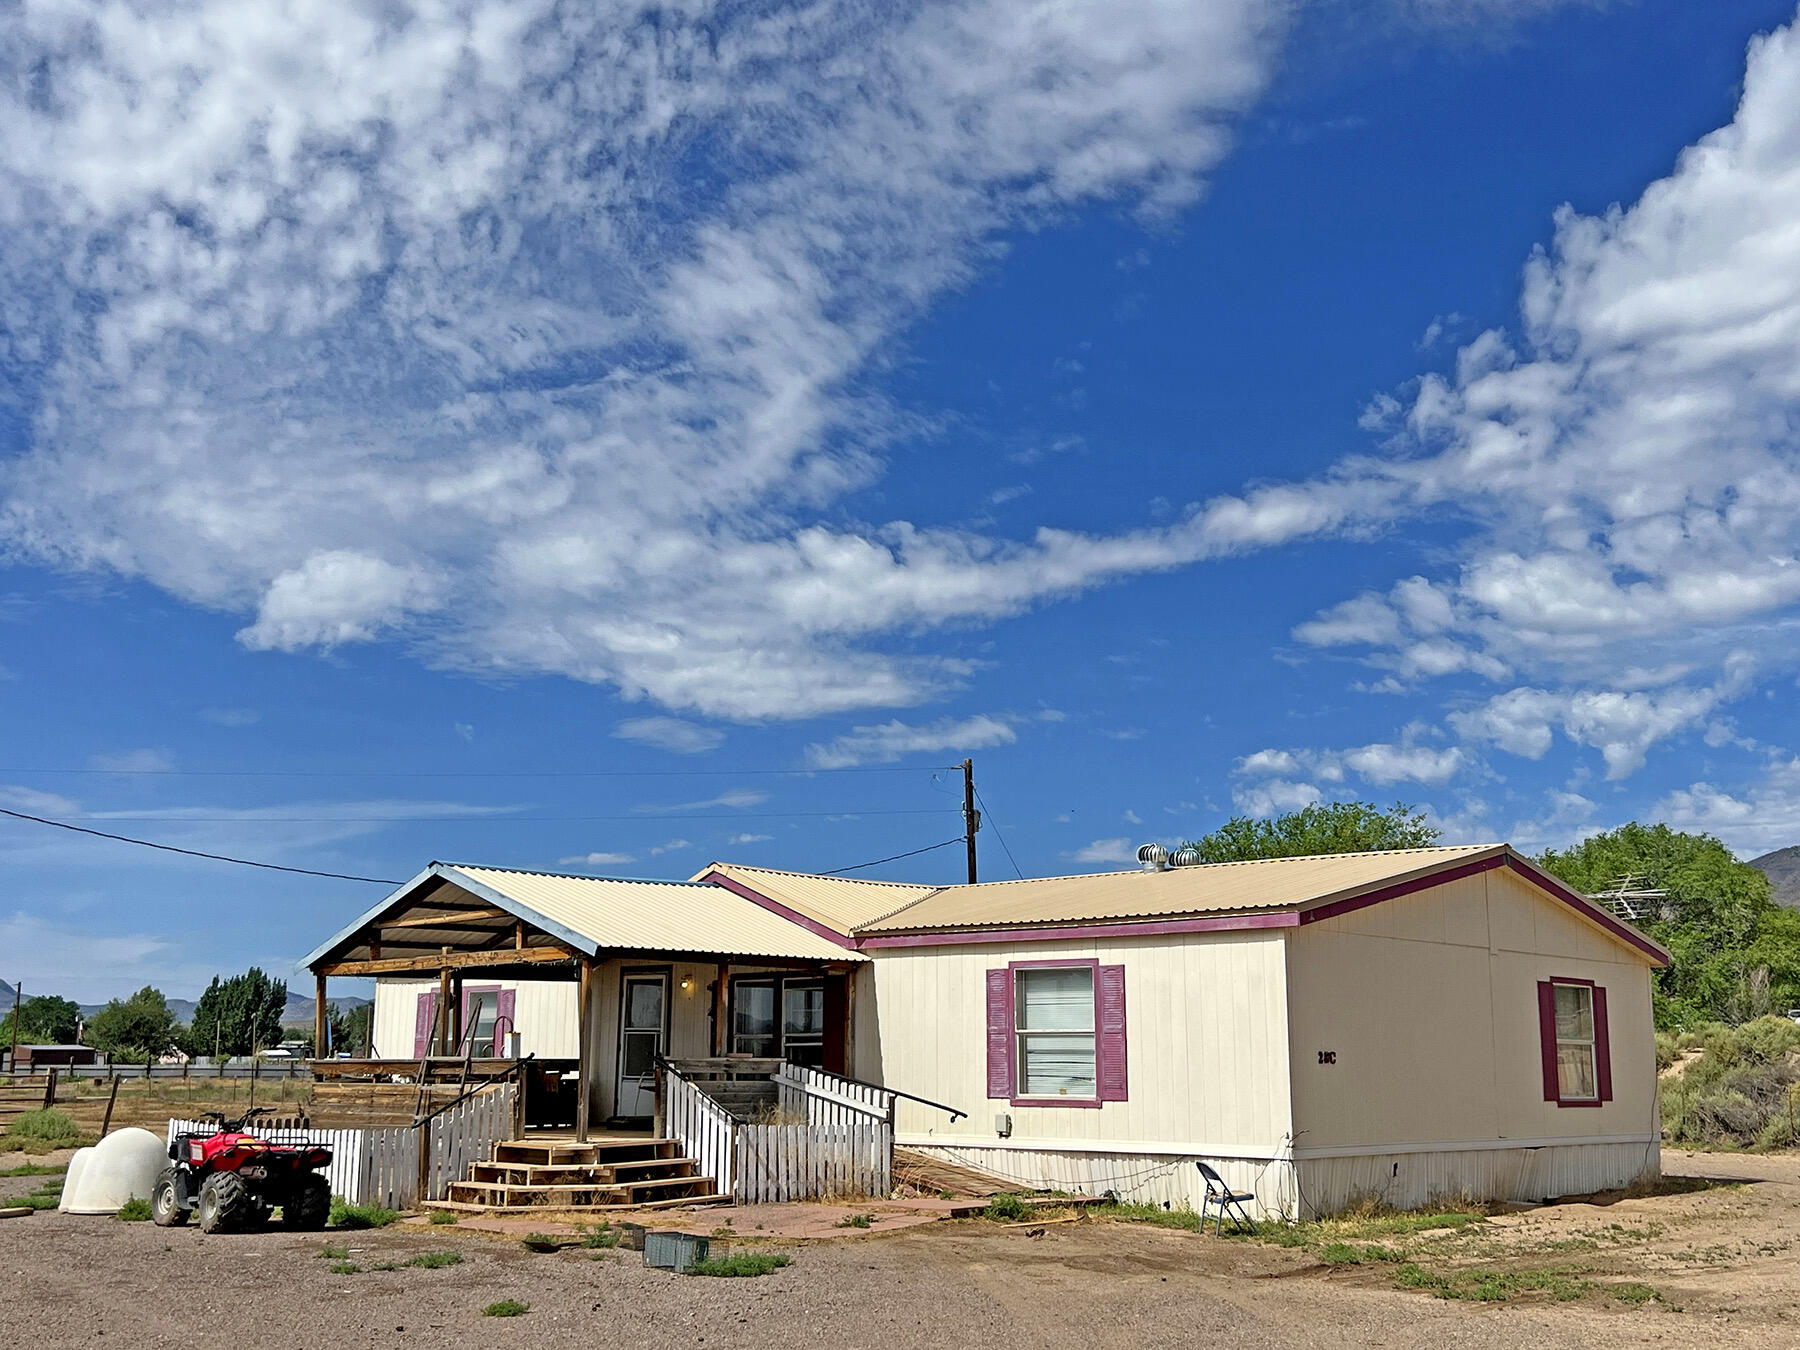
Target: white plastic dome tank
x: 121, y: 1167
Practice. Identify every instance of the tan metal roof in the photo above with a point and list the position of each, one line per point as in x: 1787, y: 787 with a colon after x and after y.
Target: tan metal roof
x: 663, y: 916
x: 1269, y: 884
x: 839, y: 903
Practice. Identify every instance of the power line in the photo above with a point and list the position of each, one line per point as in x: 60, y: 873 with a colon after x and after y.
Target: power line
x: 501, y: 818
x: 893, y: 858
x: 481, y: 773
x: 196, y: 853
x: 988, y: 816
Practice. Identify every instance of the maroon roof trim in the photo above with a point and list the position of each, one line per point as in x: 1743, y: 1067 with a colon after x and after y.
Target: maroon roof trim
x: 755, y: 897
x: 1055, y: 932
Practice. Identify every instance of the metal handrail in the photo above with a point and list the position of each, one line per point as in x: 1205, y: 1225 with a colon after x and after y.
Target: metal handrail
x: 516, y: 1071
x: 663, y: 1061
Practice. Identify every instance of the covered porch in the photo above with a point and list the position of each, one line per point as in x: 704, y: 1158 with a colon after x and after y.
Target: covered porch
x: 594, y: 982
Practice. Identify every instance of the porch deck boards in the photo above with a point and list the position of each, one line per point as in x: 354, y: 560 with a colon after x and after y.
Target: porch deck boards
x: 593, y: 1192
x: 537, y: 1174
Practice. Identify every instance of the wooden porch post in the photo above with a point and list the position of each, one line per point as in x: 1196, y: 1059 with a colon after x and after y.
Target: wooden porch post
x: 321, y: 1018
x: 443, y: 1017
x: 456, y: 1013
x: 721, y: 1037
x: 585, y: 1051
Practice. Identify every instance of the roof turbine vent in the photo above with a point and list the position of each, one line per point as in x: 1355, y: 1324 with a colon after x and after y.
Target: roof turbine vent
x: 1154, y: 857
x: 1186, y: 856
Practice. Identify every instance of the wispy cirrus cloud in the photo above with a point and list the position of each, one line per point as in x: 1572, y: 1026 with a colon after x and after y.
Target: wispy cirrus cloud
x: 670, y: 733
x: 890, y: 741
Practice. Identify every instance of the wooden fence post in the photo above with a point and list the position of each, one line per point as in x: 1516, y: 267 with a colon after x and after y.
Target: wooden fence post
x: 424, y: 1129
x: 111, y: 1097
x: 50, y: 1090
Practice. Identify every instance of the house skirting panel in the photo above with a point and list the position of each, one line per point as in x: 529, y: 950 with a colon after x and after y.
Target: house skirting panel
x: 1411, y: 1177
x: 1170, y: 1180
x: 1523, y: 1172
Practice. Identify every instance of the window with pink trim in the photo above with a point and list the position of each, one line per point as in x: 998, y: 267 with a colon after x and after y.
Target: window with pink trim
x: 1056, y: 1033
x: 1573, y: 1036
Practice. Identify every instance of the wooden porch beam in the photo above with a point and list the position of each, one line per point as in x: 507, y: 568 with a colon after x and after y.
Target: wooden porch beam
x: 404, y: 965
x: 449, y: 918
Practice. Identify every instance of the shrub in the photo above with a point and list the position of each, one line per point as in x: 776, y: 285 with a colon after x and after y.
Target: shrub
x: 345, y: 1268
x: 436, y: 1260
x: 42, y: 1130
x: 746, y: 1265
x: 855, y: 1221
x: 134, y: 1210
x: 542, y: 1242
x: 46, y: 1196
x: 441, y: 1216
x: 1005, y: 1208
x: 346, y: 1215
x: 331, y: 1253
x: 506, y: 1307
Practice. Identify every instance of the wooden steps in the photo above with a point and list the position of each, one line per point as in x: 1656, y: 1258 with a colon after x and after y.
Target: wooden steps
x: 464, y: 1207
x: 601, y: 1174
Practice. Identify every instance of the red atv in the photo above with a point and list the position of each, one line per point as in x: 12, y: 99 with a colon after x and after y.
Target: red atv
x: 236, y: 1180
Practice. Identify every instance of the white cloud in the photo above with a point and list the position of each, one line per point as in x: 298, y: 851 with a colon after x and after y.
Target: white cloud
x: 1752, y: 819
x: 89, y: 966
x: 1266, y: 777
x: 1119, y: 850
x: 1132, y: 818
x: 133, y: 761
x: 231, y: 717
x: 464, y: 731
x: 1622, y: 725
x: 597, y: 859
x: 670, y: 846
x: 736, y: 798
x: 749, y: 839
x: 1629, y: 461
x: 534, y: 334
x: 670, y: 733
x: 1273, y: 796
x: 896, y: 739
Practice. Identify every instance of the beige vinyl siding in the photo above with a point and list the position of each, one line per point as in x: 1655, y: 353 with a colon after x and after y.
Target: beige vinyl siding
x: 1429, y: 1003
x: 544, y: 1011
x: 1206, y: 1043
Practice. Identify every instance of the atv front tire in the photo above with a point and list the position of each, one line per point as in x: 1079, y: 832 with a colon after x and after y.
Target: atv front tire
x: 309, y: 1204
x: 227, y: 1204
x: 169, y: 1198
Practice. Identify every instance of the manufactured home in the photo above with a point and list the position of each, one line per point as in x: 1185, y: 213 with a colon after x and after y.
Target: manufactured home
x: 1396, y: 1025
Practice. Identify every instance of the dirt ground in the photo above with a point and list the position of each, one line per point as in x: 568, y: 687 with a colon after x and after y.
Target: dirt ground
x: 1717, y: 1254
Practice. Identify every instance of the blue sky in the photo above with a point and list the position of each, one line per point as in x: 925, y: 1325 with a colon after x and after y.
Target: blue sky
x: 624, y: 441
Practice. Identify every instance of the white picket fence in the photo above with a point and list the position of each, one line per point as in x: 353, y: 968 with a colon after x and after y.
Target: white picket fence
x: 384, y: 1166
x: 707, y: 1131
x: 835, y: 1138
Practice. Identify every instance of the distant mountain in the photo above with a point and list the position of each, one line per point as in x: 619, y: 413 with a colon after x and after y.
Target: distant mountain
x: 1783, y: 869
x: 299, y: 1011
x: 6, y: 993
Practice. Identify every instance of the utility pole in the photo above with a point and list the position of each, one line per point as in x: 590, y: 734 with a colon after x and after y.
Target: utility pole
x: 971, y: 817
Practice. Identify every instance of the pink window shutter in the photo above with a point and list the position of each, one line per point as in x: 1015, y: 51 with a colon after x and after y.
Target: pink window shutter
x: 1109, y: 985
x: 999, y: 1033
x: 422, y: 1021
x: 504, y: 1022
x: 1602, y: 1047
x: 1547, y: 1039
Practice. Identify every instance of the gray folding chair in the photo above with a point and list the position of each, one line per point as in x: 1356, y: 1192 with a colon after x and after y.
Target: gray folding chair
x: 1229, y: 1202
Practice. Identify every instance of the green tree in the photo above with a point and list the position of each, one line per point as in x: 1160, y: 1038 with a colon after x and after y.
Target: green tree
x: 1736, y: 953
x: 44, y: 1020
x: 136, y: 1028
x: 1326, y: 827
x: 238, y: 1016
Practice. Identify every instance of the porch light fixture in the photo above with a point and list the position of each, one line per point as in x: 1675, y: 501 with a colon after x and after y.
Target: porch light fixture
x: 687, y: 984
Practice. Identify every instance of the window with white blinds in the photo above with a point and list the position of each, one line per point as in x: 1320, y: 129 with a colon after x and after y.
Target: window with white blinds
x: 1054, y: 1024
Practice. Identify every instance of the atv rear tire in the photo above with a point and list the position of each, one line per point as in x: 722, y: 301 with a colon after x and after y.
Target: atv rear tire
x: 227, y: 1204
x: 309, y: 1205
x: 169, y: 1198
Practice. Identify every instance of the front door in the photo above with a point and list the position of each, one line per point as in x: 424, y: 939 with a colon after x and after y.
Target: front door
x: 640, y: 1042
